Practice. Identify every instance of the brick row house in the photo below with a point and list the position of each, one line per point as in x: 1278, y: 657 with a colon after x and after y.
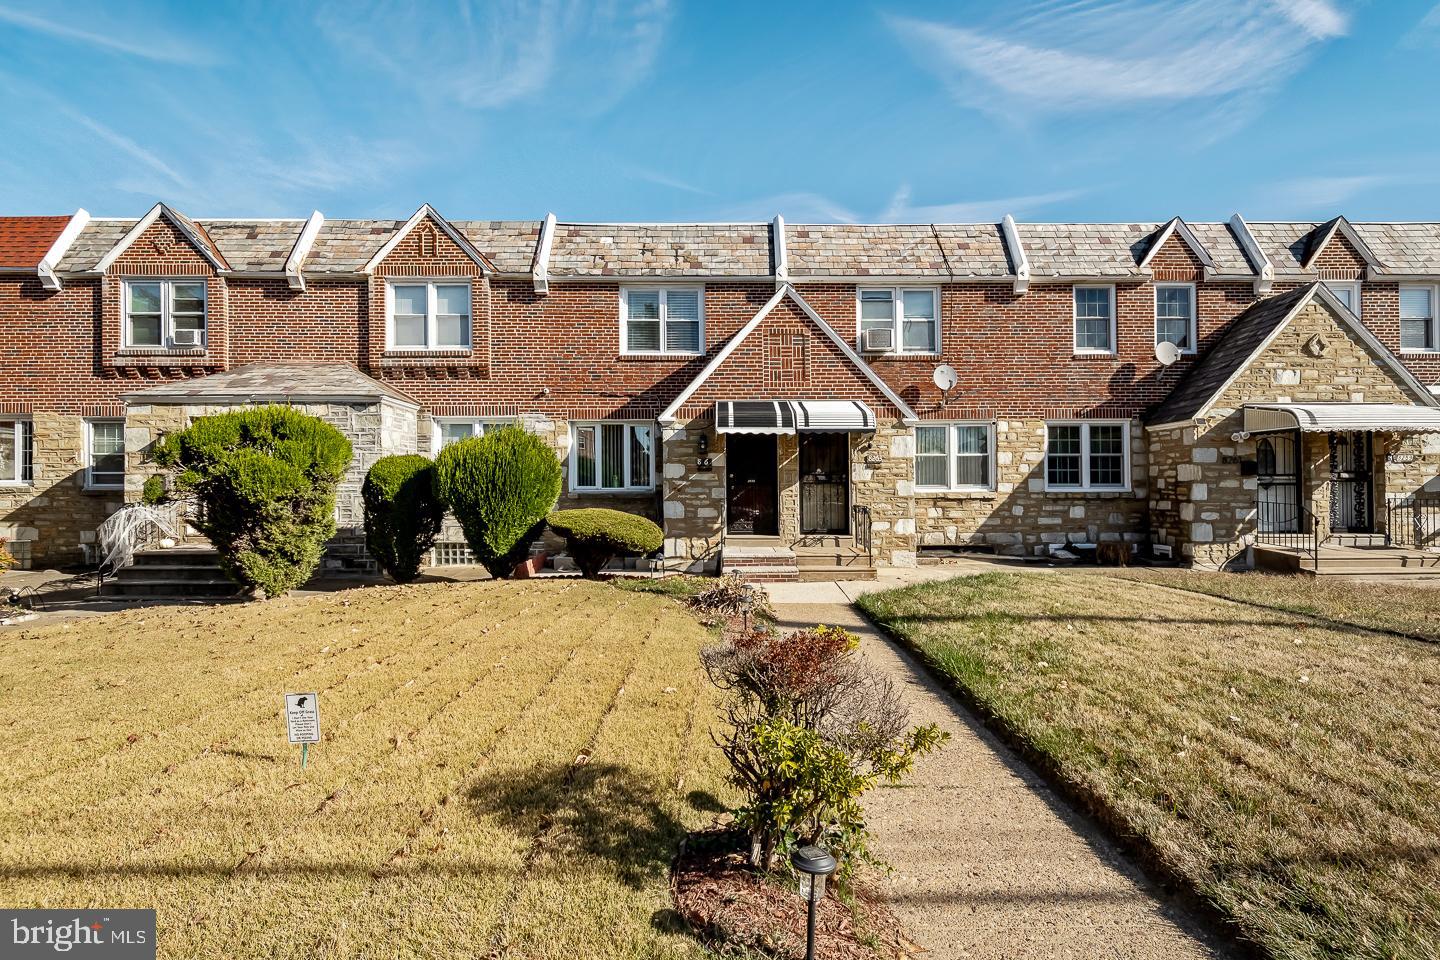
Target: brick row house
x: 1189, y: 388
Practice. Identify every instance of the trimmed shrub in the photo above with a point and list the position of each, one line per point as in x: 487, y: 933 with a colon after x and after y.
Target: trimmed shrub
x: 594, y: 536
x: 265, y: 479
x: 402, y: 513
x: 154, y: 492
x: 500, y: 487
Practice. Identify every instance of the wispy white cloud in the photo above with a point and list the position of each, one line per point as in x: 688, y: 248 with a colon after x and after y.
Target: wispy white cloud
x: 156, y: 45
x: 1425, y: 33
x: 501, y: 54
x: 901, y: 210
x: 664, y: 180
x: 171, y: 178
x: 799, y: 207
x: 1084, y: 55
x: 1327, y: 191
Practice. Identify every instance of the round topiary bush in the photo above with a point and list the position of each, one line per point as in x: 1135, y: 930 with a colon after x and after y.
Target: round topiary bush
x: 593, y: 536
x: 266, y: 480
x: 402, y: 513
x: 499, y: 486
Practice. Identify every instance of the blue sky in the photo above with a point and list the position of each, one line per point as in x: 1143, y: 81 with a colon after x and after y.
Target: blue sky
x: 662, y: 109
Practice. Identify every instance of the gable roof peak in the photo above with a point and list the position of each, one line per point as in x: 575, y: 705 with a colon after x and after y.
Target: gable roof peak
x: 191, y: 230
x: 428, y: 212
x: 1321, y: 236
x: 1173, y: 226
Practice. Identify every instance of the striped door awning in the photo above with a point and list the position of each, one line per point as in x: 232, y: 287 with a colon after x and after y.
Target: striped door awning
x: 792, y: 416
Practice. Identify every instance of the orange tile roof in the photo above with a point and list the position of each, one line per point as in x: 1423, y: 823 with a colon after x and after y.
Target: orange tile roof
x: 24, y: 240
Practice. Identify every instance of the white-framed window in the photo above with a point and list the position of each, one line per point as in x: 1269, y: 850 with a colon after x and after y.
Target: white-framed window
x: 662, y: 320
x: 1419, y: 329
x: 450, y: 430
x: 1175, y: 315
x: 164, y: 313
x: 1347, y: 292
x: 955, y: 456
x: 104, y: 454
x: 428, y: 315
x: 911, y: 314
x: 17, y: 452
x: 1094, y: 319
x: 612, y: 456
x: 1087, y: 455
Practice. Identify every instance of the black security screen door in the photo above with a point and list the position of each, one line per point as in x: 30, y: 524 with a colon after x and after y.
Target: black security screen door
x: 1278, y: 487
x: 1350, y: 482
x: 750, y: 485
x: 824, y: 483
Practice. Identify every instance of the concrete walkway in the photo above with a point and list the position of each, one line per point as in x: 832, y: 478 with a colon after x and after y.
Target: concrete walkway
x: 988, y: 860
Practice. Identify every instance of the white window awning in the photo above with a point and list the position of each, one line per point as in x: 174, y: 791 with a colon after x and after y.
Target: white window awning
x: 792, y: 416
x: 1336, y: 417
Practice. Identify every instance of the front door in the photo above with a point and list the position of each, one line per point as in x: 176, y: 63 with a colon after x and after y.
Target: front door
x: 750, y: 485
x: 1278, y: 482
x: 824, y: 483
x: 1350, y: 483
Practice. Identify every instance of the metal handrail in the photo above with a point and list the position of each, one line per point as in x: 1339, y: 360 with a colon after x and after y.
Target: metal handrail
x: 1292, y: 526
x: 1413, y: 520
x: 864, y: 536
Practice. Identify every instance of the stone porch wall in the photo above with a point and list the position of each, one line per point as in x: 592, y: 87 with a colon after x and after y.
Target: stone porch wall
x: 1020, y: 517
x: 50, y: 520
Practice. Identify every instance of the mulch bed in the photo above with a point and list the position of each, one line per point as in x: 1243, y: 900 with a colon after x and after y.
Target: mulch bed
x: 736, y: 909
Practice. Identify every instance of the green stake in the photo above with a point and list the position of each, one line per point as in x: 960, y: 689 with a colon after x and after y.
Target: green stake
x: 304, y: 754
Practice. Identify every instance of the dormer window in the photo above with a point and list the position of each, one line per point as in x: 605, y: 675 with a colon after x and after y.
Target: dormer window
x: 165, y: 314
x: 429, y: 315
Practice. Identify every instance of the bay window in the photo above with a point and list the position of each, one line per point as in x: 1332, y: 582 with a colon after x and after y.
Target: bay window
x: 17, y: 452
x: 104, y: 454
x: 1418, y: 329
x: 662, y: 320
x: 164, y: 313
x: 429, y: 315
x: 954, y: 456
x: 1087, y: 455
x: 612, y: 456
x: 911, y: 314
x: 1094, y: 319
x: 1175, y: 315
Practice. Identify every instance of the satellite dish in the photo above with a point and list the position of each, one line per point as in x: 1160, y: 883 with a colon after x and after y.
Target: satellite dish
x: 1166, y: 352
x: 945, y: 377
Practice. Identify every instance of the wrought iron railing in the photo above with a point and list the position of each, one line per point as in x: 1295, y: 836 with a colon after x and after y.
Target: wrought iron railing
x: 1413, y: 520
x: 1290, y: 526
x: 860, y: 524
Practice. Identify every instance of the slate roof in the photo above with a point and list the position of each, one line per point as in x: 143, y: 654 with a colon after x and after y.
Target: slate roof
x: 93, y: 243
x: 25, y: 240
x: 280, y: 382
x: 1085, y: 249
x: 1230, y: 353
x: 254, y: 244
x: 1224, y: 248
x: 1284, y: 242
x: 1403, y: 247
x: 925, y: 250
x: 672, y: 249
x: 508, y: 244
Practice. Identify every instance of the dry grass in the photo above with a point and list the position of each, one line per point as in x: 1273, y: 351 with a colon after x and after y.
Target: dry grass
x: 444, y: 815
x: 1412, y: 610
x: 1286, y: 767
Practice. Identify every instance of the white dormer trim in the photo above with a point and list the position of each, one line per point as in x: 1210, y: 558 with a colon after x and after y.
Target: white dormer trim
x: 1342, y: 226
x: 1016, y: 249
x: 46, y: 267
x: 295, y: 263
x: 428, y: 211
x: 540, y: 273
x: 1264, y: 269
x: 144, y: 223
x: 782, y: 255
x: 670, y: 413
x: 1176, y: 225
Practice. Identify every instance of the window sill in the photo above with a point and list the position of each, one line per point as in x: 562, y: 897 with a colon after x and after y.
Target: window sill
x: 1419, y: 351
x: 657, y: 355
x: 161, y: 352
x: 959, y: 493
x: 1096, y: 354
x: 888, y: 355
x: 421, y: 353
x: 612, y: 491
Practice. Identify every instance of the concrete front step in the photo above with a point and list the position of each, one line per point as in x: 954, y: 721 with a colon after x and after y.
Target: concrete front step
x: 170, y: 589
x: 762, y: 573
x: 820, y: 574
x: 832, y: 559
x: 168, y: 571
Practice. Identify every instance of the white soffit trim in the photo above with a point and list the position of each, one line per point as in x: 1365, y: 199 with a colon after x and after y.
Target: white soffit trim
x: 1347, y: 318
x: 46, y: 267
x: 669, y: 413
x: 782, y: 255
x: 1342, y: 226
x: 1264, y: 269
x: 540, y: 272
x: 1017, y: 253
x: 295, y: 263
x: 143, y: 224
x: 428, y: 211
x: 1176, y: 225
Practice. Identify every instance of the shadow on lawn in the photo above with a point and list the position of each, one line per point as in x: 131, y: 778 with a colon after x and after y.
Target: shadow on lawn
x: 595, y: 810
x: 1006, y: 616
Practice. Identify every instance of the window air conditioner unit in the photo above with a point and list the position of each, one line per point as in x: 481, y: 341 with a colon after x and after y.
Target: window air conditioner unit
x: 878, y: 340
x: 185, y: 338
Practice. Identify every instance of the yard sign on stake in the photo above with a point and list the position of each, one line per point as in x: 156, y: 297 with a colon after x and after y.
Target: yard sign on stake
x: 302, y: 721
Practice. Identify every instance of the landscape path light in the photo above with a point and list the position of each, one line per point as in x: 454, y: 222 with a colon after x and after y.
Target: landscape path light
x: 814, y: 864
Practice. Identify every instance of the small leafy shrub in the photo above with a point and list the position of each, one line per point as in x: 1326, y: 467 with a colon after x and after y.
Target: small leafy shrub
x: 265, y: 479
x: 729, y: 597
x: 594, y: 536
x: 154, y: 492
x: 402, y: 513
x: 7, y: 559
x: 500, y: 487
x: 809, y: 729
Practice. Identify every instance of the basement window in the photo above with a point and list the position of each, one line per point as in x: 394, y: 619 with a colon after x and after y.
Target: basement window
x: 452, y: 430
x: 1087, y: 455
x: 17, y: 452
x: 612, y: 456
